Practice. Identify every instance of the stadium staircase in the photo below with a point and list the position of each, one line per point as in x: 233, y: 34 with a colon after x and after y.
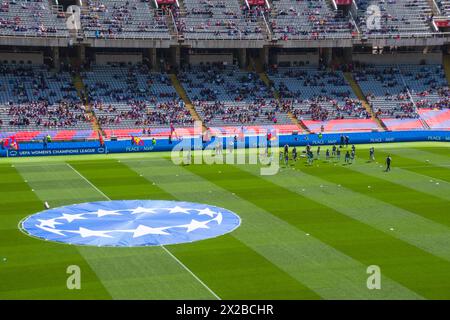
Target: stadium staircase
x: 187, y: 102
x: 434, y: 8
x: 171, y: 24
x: 262, y: 22
x: 81, y: 90
x: 258, y: 68
x: 357, y: 90
x: 447, y: 67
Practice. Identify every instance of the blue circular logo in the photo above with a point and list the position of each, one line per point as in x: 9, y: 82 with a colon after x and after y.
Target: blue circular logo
x: 131, y: 223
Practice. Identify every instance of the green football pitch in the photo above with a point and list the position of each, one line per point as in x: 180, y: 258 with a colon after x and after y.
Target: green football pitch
x: 308, y: 232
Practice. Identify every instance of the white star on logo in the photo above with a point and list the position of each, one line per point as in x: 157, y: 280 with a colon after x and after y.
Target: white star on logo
x: 72, y: 217
x: 142, y: 210
x: 144, y: 230
x: 102, y: 213
x: 194, y: 225
x: 84, y: 233
x: 218, y: 218
x: 56, y: 231
x: 207, y: 212
x: 178, y: 209
x: 48, y: 223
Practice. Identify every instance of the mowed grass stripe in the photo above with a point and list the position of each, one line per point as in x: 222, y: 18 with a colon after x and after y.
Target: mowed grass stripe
x: 401, y: 188
x: 230, y: 268
x: 439, y: 151
x: 431, y: 155
x: 380, y: 205
x: 35, y: 269
x: 322, y: 268
x: 436, y: 173
x: 411, y: 177
x: 120, y: 270
x: 432, y: 174
x: 373, y: 241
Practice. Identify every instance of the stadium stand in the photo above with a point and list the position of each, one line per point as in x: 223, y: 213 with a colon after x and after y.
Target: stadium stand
x: 126, y: 100
x: 224, y: 96
x: 394, y: 17
x: 444, y: 6
x: 322, y: 99
x: 133, y: 19
x: 386, y: 91
x: 388, y: 95
x: 428, y: 85
x: 32, y: 19
x: 132, y: 97
x: 34, y: 99
x: 396, y: 92
x: 308, y: 20
x: 217, y: 19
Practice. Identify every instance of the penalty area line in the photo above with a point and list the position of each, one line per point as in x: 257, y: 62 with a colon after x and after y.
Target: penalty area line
x: 164, y: 248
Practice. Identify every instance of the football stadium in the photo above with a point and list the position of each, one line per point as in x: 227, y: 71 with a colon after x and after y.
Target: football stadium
x: 224, y: 150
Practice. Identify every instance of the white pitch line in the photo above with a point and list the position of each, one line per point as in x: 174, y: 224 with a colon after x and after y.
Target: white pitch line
x: 90, y: 183
x: 193, y: 274
x: 164, y: 248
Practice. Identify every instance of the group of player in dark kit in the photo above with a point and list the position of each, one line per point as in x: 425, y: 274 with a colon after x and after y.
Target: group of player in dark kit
x: 335, y: 153
x: 349, y: 156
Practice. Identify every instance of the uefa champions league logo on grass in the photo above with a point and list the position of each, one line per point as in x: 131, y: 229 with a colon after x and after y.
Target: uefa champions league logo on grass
x: 230, y: 148
x: 131, y: 223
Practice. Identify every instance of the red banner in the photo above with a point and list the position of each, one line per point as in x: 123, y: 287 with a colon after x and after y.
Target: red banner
x: 257, y: 2
x: 162, y: 2
x: 442, y: 23
x: 344, y: 2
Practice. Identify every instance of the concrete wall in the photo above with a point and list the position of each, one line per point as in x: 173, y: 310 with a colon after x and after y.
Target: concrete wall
x: 33, y: 57
x: 399, y: 58
x: 196, y: 59
x: 292, y: 58
x: 129, y: 58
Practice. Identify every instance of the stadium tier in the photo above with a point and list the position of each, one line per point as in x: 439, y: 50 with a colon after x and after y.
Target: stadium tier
x: 217, y: 19
x: 33, y: 99
x: 270, y: 20
x: 444, y: 6
x: 321, y: 99
x: 396, y: 93
x: 32, y: 19
x: 224, y: 95
x: 123, y: 19
x: 308, y: 20
x: 386, y: 91
x: 427, y: 85
x: 133, y: 97
x: 395, y: 17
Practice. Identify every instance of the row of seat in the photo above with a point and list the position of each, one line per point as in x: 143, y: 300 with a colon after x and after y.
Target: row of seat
x: 395, y: 17
x: 32, y: 97
x: 398, y: 91
x: 132, y: 97
x: 219, y: 19
x: 224, y: 95
x: 31, y: 18
x: 127, y: 97
x: 312, y: 94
